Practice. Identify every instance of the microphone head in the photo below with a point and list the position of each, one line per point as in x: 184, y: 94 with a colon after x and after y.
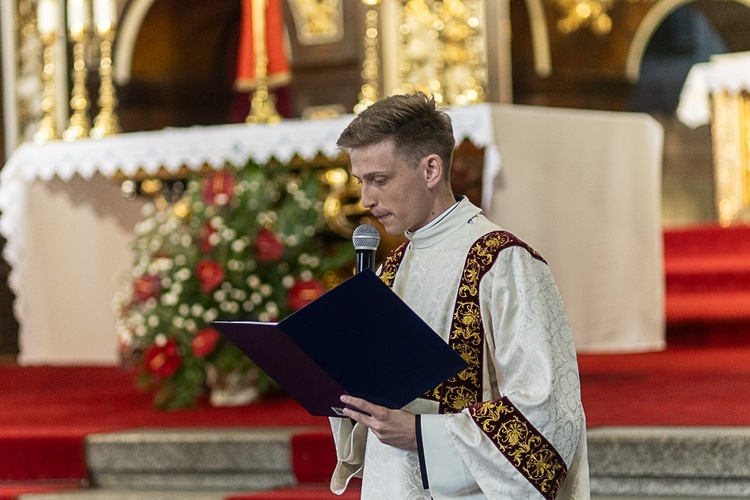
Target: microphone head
x: 366, y: 237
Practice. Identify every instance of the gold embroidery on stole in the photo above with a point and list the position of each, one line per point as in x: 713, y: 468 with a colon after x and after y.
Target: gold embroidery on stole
x: 516, y: 438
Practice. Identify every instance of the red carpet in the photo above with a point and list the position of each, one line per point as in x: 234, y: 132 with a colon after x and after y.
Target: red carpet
x: 707, y: 274
x: 702, y: 379
x: 45, y: 413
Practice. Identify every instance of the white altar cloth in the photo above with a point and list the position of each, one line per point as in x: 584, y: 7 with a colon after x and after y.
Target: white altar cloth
x: 582, y: 187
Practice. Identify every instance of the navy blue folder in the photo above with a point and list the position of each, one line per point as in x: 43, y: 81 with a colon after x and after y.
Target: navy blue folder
x: 359, y: 338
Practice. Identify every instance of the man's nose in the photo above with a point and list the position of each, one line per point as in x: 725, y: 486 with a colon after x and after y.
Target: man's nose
x: 368, y: 201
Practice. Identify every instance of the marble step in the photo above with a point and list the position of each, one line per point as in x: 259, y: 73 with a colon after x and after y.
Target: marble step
x: 700, y: 462
x: 626, y: 463
x: 199, y: 459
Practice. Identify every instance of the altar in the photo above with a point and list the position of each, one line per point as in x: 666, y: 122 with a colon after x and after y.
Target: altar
x: 581, y: 187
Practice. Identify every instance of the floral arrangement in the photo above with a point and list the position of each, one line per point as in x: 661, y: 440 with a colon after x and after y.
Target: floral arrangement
x: 246, y: 243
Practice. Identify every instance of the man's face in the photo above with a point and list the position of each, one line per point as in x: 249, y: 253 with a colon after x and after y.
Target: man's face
x: 395, y: 192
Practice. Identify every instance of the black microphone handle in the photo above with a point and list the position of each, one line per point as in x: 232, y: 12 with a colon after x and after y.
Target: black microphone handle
x: 365, y: 260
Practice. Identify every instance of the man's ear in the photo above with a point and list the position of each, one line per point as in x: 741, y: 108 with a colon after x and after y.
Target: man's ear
x: 433, y: 170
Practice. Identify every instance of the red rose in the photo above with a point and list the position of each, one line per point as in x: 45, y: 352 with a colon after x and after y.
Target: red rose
x: 304, y: 292
x: 268, y: 246
x: 204, y: 235
x: 217, y: 188
x: 146, y: 287
x: 210, y: 274
x: 162, y: 361
x: 204, y: 342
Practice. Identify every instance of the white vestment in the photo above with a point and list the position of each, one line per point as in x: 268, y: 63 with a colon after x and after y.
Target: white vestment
x: 529, y: 360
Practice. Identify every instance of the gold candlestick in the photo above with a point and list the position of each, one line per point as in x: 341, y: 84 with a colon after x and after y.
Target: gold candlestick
x: 262, y: 109
x: 79, y: 122
x: 106, y: 122
x: 370, y: 90
x: 48, y: 124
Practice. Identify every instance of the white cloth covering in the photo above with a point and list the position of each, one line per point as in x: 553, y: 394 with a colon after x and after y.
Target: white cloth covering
x: 582, y: 185
x: 529, y: 358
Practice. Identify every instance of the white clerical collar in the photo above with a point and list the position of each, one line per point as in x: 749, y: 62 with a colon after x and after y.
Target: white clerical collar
x: 444, y: 225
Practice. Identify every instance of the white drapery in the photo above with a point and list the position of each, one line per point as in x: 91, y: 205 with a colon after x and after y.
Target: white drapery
x: 582, y: 187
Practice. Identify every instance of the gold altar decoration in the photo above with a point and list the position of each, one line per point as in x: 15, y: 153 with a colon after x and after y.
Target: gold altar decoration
x: 262, y: 108
x: 318, y: 21
x: 48, y: 29
x: 442, y: 50
x: 105, y: 18
x: 581, y: 14
x: 79, y: 19
x: 48, y: 125
x: 730, y: 130
x: 370, y: 90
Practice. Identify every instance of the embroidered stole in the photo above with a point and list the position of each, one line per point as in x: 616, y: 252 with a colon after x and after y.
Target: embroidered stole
x: 516, y: 438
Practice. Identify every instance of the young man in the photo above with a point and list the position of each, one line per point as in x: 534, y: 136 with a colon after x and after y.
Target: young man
x: 511, y: 426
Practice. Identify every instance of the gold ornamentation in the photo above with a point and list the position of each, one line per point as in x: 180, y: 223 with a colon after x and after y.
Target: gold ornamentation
x: 318, y: 21
x: 524, y: 446
x: 581, y: 14
x: 370, y: 90
x: 262, y: 108
x: 730, y: 130
x: 47, y: 130
x: 106, y: 122
x: 79, y: 123
x: 391, y: 264
x: 442, y: 51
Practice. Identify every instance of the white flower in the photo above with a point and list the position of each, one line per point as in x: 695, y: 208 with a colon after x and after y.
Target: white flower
x: 186, y: 241
x: 196, y: 310
x: 238, y: 245
x: 190, y: 325
x: 253, y: 281
x: 291, y: 240
x: 219, y: 295
x: 287, y: 281
x: 309, y: 231
x: 314, y: 261
x: 256, y: 298
x: 303, y: 259
x: 153, y: 321
x: 213, y: 239
x: 160, y: 340
x: 169, y: 299
x: 238, y: 294
x: 210, y: 315
x: 264, y: 316
x: 182, y: 274
x: 272, y: 309
x: 178, y: 321
x: 248, y: 306
x: 183, y: 309
x: 306, y: 275
x: 266, y: 289
x: 180, y: 260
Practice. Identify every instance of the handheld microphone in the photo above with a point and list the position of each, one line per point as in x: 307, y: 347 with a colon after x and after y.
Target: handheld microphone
x: 366, y: 239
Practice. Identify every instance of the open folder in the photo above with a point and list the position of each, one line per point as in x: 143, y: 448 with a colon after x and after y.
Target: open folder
x: 359, y: 338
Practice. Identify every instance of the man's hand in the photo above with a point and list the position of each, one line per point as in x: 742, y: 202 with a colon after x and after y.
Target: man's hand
x: 395, y: 428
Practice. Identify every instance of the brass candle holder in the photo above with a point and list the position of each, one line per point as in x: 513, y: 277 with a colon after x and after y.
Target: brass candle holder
x: 79, y: 123
x: 47, y: 130
x: 370, y: 90
x: 262, y: 108
x: 106, y: 122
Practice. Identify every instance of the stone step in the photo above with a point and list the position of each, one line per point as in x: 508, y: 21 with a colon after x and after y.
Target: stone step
x: 626, y: 463
x: 702, y: 462
x: 198, y: 459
